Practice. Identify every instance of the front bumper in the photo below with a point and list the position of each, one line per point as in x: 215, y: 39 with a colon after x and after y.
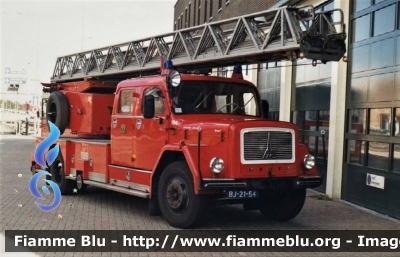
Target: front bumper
x: 265, y: 183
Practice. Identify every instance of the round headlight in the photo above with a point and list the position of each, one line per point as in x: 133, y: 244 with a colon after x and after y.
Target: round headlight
x: 174, y: 78
x: 309, y: 161
x: 217, y: 165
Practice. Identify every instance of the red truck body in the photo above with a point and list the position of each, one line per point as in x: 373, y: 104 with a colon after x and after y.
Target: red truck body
x: 111, y: 144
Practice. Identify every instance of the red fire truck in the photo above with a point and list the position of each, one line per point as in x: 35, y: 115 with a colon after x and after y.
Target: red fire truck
x: 182, y: 138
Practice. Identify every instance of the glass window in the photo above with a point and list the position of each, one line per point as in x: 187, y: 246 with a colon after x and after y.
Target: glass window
x: 328, y: 7
x: 357, y: 121
x: 210, y: 97
x: 273, y: 116
x: 159, y: 105
x: 211, y: 8
x: 377, y: 1
x: 380, y: 86
x: 181, y: 21
x: 379, y: 122
x: 324, y: 120
x: 378, y: 155
x: 205, y: 11
x: 310, y: 141
x: 359, y: 89
x: 198, y: 13
x: 249, y: 104
x: 186, y: 18
x: 361, y: 4
x: 355, y: 151
x: 321, y: 147
x: 194, y: 12
x: 384, y: 20
x: 222, y: 72
x: 298, y: 119
x: 311, y: 120
x: 361, y: 28
x: 126, y: 101
x: 189, y: 10
x: 397, y: 123
x: 396, y: 157
x: 361, y: 62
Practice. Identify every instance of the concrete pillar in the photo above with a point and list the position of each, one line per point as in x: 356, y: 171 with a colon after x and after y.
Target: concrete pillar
x: 286, y: 91
x: 337, y: 118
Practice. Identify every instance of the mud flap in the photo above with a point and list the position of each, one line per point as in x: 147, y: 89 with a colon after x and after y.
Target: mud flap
x: 154, y: 209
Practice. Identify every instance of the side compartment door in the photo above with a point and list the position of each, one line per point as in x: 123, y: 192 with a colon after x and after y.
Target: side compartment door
x: 122, y: 128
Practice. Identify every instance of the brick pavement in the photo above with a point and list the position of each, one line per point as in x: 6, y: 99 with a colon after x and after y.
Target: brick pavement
x: 101, y: 209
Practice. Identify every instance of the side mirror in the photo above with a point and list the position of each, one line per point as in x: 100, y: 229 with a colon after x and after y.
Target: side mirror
x: 265, y: 108
x: 148, y: 107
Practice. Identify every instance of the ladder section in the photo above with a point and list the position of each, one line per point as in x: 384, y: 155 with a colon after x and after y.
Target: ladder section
x: 271, y: 35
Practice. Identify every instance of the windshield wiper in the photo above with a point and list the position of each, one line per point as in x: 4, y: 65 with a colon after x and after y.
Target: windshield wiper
x: 241, y: 108
x: 205, y: 98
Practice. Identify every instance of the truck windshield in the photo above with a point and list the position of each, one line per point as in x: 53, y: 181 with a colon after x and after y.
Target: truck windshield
x: 207, y: 97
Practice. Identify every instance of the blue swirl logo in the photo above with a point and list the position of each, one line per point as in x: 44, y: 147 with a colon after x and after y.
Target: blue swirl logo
x: 50, y: 158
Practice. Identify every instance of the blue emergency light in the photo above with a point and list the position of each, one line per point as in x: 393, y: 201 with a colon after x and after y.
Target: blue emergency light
x: 168, y: 64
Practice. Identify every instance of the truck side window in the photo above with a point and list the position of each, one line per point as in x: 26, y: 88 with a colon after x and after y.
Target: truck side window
x: 158, y: 99
x: 126, y: 101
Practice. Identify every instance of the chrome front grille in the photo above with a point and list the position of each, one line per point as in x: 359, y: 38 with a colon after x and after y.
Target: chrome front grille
x: 267, y: 146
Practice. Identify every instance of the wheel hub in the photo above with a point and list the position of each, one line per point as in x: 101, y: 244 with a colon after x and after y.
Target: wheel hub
x: 176, y: 195
x: 79, y: 182
x: 52, y: 114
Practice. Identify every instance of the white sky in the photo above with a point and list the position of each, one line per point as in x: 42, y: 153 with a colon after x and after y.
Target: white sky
x: 34, y: 33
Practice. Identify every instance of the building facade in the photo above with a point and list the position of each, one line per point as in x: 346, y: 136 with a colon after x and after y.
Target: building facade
x: 189, y: 13
x: 372, y: 134
x: 357, y: 103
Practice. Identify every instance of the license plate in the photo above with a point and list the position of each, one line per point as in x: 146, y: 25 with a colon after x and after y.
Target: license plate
x: 241, y: 194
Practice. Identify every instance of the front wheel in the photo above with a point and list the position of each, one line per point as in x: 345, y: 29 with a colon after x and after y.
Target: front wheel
x: 180, y: 206
x: 283, y: 205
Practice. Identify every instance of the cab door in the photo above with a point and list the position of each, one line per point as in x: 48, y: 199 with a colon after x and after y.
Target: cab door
x: 149, y: 135
x: 122, y: 127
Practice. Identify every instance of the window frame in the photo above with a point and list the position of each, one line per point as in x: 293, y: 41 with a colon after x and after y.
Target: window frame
x: 145, y: 89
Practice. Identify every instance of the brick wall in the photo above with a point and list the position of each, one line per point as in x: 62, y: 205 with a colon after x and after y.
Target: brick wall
x: 229, y: 8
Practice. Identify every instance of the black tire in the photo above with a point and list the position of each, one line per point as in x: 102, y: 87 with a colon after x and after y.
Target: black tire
x: 283, y: 205
x: 57, y: 110
x: 33, y: 169
x: 180, y: 206
x: 58, y: 176
x: 80, y: 186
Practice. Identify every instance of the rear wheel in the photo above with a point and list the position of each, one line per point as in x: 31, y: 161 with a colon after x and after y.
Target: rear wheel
x: 33, y: 169
x: 58, y: 176
x: 283, y: 205
x: 80, y: 186
x: 180, y: 206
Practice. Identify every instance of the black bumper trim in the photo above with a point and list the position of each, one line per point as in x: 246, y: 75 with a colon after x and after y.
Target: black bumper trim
x: 224, y: 184
x: 308, y: 182
x: 263, y: 183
